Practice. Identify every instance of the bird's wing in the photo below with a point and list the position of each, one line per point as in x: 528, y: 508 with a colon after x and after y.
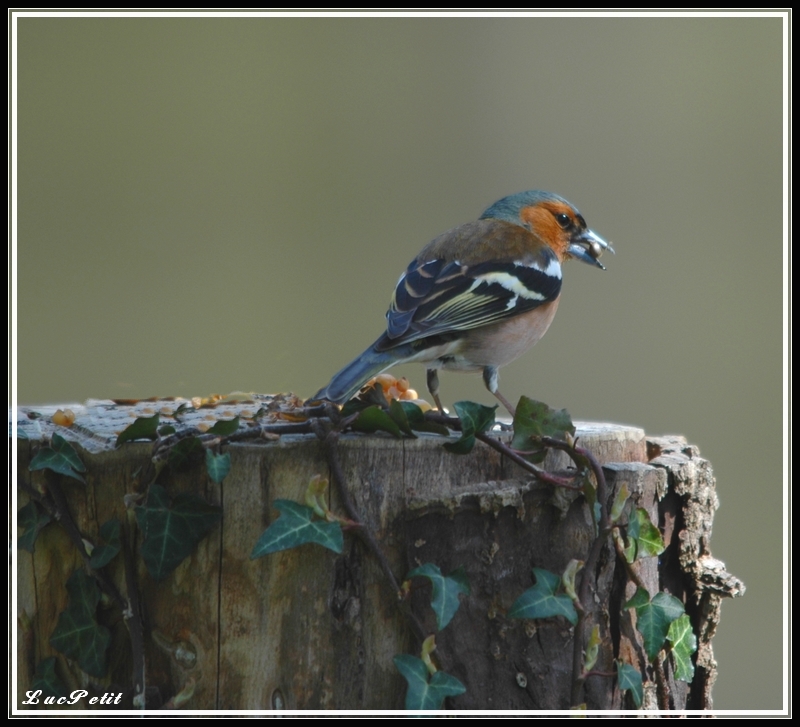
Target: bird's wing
x: 436, y: 296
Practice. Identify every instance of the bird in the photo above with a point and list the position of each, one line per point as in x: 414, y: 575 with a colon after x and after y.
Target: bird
x: 479, y: 295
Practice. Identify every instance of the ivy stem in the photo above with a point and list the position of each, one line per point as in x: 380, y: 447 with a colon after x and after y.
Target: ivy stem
x: 540, y: 474
x: 632, y: 574
x: 133, y: 617
x: 576, y: 454
x: 330, y: 440
x: 57, y: 508
x: 661, y: 682
x: 503, y: 448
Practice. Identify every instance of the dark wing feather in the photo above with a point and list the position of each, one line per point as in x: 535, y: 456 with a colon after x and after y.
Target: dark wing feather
x: 436, y: 296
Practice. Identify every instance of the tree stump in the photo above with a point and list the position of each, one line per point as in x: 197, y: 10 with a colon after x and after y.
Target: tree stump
x: 309, y: 629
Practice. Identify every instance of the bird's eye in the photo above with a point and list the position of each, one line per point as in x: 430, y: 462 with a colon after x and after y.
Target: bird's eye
x: 563, y: 220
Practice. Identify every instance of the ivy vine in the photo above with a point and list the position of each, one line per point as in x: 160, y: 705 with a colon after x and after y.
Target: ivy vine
x: 171, y: 526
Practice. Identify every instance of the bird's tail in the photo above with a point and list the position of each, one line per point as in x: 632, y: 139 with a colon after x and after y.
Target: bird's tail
x: 352, y: 377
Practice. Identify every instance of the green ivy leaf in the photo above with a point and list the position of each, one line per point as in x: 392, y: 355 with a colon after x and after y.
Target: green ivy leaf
x: 444, y: 599
x: 541, y: 601
x: 397, y: 413
x: 375, y: 419
x: 182, y: 410
x: 297, y: 526
x: 475, y: 418
x: 185, y: 453
x: 568, y: 578
x: 629, y: 679
x: 418, y: 422
x: 353, y: 406
x: 142, y: 428
x: 684, y: 644
x: 225, y: 427
x: 172, y: 530
x: 424, y: 693
x: 631, y: 539
x: 653, y: 619
x: 77, y: 635
x: 620, y: 500
x: 46, y: 679
x: 533, y: 420
x: 639, y: 599
x: 109, y: 547
x: 165, y: 430
x: 31, y: 519
x: 373, y: 396
x: 648, y: 541
x: 218, y: 465
x: 59, y: 457
x: 592, y: 649
x: 643, y: 538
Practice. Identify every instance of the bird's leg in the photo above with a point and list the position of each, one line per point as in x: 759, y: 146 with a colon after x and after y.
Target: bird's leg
x: 433, y: 387
x: 490, y: 379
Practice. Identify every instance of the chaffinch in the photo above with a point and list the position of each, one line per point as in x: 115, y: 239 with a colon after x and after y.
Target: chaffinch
x: 479, y: 295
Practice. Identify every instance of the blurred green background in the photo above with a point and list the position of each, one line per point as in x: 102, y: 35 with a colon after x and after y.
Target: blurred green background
x: 209, y: 205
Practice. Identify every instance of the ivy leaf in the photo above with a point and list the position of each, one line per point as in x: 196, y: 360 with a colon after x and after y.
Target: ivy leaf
x: 355, y: 405
x: 632, y: 538
x: 375, y: 419
x: 59, y: 457
x: 475, y: 418
x: 648, y: 541
x: 654, y: 617
x: 297, y: 526
x: 684, y: 644
x: 185, y: 453
x: 166, y: 430
x: 592, y: 649
x: 639, y: 599
x: 533, y: 420
x: 218, y: 465
x: 644, y: 538
x: 77, y: 635
x: 620, y: 500
x: 172, y: 530
x: 31, y: 519
x: 444, y: 599
x: 46, y: 679
x: 629, y: 678
x: 397, y: 413
x: 104, y: 553
x: 424, y: 693
x: 418, y: 422
x: 541, y: 601
x: 568, y: 578
x: 225, y: 427
x: 373, y: 396
x: 182, y: 410
x: 142, y: 428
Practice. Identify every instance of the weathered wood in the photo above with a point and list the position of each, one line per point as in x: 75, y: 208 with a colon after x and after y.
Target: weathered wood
x: 307, y: 629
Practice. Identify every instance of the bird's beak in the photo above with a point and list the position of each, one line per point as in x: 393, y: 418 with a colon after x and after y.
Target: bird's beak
x: 588, y: 247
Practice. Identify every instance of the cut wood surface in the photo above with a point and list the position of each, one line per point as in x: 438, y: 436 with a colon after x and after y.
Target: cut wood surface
x: 309, y: 629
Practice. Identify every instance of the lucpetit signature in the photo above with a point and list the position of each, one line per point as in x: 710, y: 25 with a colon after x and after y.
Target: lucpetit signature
x: 77, y: 695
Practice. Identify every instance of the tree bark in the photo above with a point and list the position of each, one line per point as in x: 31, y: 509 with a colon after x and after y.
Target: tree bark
x: 309, y: 629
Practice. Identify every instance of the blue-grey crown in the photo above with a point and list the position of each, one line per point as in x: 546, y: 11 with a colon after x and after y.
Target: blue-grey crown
x: 508, y: 208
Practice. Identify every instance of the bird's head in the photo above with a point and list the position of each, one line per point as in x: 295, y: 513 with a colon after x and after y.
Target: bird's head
x: 555, y: 221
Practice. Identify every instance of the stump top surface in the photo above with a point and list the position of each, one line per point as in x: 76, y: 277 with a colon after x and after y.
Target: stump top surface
x: 97, y: 422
